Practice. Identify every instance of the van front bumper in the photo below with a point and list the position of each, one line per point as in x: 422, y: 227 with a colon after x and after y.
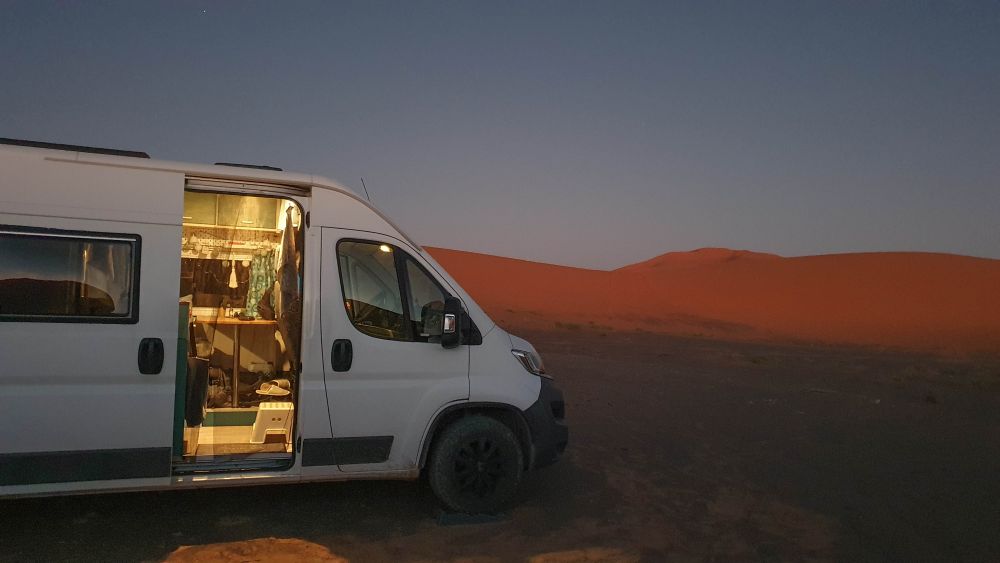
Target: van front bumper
x: 547, y: 421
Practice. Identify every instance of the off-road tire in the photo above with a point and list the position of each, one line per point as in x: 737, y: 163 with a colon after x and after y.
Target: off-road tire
x: 476, y: 465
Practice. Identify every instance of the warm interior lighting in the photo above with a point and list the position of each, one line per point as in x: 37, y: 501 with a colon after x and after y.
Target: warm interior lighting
x: 385, y: 248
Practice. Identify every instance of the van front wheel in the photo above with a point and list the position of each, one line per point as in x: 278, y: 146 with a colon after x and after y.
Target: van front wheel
x: 476, y: 465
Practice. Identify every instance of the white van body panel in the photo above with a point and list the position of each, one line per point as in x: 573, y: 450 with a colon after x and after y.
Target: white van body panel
x: 495, y: 376
x: 338, y: 207
x: 89, y: 370
x: 40, y: 185
x: 313, y: 415
x: 75, y: 387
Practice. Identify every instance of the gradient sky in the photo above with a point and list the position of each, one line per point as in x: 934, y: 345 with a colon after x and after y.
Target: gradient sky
x: 589, y: 134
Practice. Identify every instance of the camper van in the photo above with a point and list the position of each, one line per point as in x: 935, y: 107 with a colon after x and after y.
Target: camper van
x: 167, y: 325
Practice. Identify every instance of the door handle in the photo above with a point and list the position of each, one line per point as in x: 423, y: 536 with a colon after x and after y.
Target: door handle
x: 342, y: 354
x: 150, y: 356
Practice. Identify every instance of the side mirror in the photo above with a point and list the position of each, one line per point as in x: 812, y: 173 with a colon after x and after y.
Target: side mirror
x: 451, y: 329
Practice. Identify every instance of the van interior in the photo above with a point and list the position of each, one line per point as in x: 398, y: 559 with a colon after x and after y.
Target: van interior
x: 240, y: 326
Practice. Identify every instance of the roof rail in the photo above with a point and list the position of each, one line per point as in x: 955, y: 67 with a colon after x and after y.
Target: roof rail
x: 254, y: 166
x: 73, y: 148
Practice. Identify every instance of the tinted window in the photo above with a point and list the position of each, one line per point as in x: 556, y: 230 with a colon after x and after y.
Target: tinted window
x: 70, y: 277
x: 370, y: 282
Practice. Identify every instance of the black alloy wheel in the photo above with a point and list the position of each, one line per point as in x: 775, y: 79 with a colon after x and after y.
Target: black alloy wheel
x: 479, y: 467
x: 476, y: 465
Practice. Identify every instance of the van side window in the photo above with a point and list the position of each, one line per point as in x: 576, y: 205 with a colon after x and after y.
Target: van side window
x: 388, y: 294
x: 51, y: 275
x: 426, y: 299
x: 370, y: 281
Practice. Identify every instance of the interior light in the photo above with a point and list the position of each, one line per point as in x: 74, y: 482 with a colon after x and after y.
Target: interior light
x: 385, y: 248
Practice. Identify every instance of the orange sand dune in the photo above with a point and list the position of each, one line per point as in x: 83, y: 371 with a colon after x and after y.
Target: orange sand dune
x: 700, y: 257
x: 934, y: 302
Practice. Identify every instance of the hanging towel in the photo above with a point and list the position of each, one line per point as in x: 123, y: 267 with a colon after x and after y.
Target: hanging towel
x: 261, y: 279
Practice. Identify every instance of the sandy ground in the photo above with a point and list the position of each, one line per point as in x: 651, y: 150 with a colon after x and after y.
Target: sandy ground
x: 682, y: 449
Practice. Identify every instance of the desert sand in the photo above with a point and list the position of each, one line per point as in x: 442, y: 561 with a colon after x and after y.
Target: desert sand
x: 938, y: 303
x: 681, y: 449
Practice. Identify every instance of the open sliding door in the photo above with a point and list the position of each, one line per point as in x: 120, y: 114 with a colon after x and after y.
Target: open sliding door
x: 88, y: 326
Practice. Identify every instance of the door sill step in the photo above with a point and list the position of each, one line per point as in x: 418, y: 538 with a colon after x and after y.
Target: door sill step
x: 232, y: 465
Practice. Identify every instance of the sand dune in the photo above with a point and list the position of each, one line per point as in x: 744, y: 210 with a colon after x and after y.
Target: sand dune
x: 696, y: 258
x: 933, y: 302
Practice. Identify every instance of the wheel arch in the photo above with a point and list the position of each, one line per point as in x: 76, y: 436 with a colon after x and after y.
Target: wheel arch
x: 508, y: 415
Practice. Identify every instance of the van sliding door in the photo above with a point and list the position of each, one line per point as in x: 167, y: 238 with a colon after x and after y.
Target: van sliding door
x: 88, y: 327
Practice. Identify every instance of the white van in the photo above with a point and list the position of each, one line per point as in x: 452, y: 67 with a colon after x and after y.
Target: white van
x: 167, y: 325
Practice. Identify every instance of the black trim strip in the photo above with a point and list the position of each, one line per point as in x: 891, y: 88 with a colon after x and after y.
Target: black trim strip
x: 72, y: 148
x: 317, y: 451
x: 346, y: 451
x: 254, y: 166
x: 86, y: 465
x: 400, y: 256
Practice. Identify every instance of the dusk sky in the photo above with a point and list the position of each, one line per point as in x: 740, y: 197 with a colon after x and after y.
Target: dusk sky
x: 580, y: 133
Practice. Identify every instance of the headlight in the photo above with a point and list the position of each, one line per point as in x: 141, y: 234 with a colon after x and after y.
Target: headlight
x: 531, y: 362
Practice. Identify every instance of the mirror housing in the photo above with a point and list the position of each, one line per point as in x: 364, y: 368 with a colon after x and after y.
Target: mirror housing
x: 451, y: 323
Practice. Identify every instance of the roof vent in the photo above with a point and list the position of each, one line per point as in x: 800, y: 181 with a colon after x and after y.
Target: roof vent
x: 254, y: 166
x: 72, y: 148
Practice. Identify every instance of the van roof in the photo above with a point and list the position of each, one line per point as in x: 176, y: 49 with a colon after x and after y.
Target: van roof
x: 141, y: 160
x: 137, y: 160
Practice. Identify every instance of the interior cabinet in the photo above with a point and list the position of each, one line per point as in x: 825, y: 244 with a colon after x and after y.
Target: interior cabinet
x: 257, y: 212
x: 200, y: 208
x: 230, y: 211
